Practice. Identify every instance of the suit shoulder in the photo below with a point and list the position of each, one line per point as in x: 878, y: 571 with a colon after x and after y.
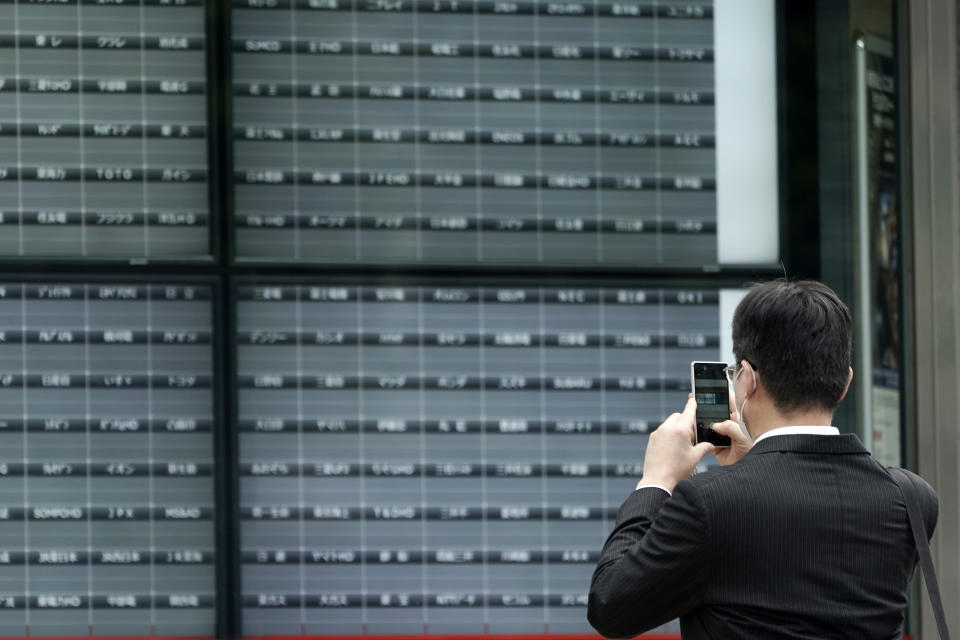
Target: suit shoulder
x: 736, y: 483
x: 926, y: 496
x: 717, y: 478
x: 929, y: 503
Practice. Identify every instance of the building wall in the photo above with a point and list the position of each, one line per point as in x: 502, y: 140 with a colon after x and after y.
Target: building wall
x: 932, y: 206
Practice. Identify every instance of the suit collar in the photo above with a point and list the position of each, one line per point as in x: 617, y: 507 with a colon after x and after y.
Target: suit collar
x: 798, y: 430
x: 846, y: 443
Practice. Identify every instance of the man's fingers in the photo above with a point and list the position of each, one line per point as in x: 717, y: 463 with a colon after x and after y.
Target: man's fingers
x: 730, y: 429
x: 690, y: 411
x: 703, y: 449
x: 739, y: 441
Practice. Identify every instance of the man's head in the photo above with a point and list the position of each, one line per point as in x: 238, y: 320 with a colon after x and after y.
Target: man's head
x: 796, y: 336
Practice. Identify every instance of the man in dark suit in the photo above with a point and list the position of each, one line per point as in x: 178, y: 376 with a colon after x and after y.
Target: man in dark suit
x: 799, y: 533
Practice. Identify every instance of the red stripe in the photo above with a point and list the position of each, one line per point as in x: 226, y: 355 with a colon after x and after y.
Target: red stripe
x: 552, y: 636
x: 657, y: 636
x: 568, y: 636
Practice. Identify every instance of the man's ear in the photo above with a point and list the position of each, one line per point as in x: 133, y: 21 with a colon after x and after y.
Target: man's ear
x: 846, y: 388
x: 752, y: 385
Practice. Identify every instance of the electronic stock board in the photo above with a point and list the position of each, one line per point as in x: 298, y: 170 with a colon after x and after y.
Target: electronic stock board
x: 446, y: 460
x: 489, y: 132
x: 106, y: 456
x: 103, y: 130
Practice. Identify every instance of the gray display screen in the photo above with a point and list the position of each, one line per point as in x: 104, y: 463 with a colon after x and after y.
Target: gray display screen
x: 103, y: 127
x: 435, y: 460
x: 106, y: 458
x: 475, y: 131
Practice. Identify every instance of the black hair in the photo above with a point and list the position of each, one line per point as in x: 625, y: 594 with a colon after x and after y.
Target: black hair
x: 797, y: 335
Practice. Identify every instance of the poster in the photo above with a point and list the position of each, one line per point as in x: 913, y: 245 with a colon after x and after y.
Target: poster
x: 880, y: 260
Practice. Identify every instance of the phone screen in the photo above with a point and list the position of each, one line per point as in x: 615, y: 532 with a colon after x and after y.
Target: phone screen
x: 712, y: 394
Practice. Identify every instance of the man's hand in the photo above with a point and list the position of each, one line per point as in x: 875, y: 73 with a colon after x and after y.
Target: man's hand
x: 671, y: 455
x: 740, y: 444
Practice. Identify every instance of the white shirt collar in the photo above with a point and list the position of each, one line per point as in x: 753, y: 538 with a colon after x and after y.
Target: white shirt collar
x: 793, y: 431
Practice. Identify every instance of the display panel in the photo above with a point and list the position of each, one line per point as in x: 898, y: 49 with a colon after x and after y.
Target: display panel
x: 436, y: 460
x: 106, y: 453
x: 475, y: 131
x: 103, y: 130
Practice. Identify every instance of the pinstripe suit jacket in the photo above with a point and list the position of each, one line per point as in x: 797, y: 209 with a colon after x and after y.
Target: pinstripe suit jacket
x: 806, y: 537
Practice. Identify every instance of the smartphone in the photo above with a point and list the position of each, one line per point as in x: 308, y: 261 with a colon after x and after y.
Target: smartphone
x: 712, y: 393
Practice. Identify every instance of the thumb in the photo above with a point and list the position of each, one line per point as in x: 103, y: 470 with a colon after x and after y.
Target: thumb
x: 730, y: 429
x: 703, y: 449
x: 733, y: 431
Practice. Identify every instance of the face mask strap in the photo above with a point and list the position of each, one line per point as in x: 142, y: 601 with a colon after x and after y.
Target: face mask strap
x: 740, y: 419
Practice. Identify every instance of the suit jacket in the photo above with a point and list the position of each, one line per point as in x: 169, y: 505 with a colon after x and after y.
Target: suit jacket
x: 805, y: 537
